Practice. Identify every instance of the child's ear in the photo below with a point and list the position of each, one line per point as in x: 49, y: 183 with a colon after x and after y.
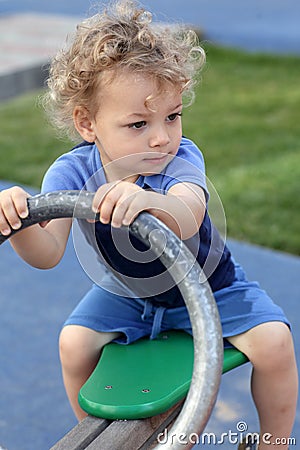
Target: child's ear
x: 84, y: 124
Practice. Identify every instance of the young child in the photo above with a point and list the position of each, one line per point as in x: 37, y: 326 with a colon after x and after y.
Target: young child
x: 120, y: 85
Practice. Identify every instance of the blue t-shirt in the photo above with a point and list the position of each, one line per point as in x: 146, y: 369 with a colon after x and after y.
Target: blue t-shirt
x: 81, y: 168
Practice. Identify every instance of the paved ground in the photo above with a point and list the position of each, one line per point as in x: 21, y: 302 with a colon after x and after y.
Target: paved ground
x: 28, y: 39
x: 34, y: 412
x: 27, y: 42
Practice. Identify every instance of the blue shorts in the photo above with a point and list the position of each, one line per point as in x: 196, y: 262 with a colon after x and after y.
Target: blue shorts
x: 242, y: 305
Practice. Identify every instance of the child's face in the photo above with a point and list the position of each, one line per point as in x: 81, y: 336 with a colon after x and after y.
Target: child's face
x: 135, y: 136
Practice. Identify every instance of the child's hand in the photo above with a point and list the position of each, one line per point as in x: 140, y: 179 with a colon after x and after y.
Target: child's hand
x: 120, y: 202
x: 13, y: 208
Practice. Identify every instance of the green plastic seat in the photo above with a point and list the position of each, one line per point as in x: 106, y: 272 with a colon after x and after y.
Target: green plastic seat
x: 144, y: 378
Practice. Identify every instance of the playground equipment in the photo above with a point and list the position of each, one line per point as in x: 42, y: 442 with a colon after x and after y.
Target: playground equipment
x: 203, y: 365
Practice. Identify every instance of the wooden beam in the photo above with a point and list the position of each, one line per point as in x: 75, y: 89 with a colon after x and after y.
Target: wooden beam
x: 94, y: 433
x: 82, y: 435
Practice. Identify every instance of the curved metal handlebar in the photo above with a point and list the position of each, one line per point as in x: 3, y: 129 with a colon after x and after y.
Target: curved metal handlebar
x: 199, y: 300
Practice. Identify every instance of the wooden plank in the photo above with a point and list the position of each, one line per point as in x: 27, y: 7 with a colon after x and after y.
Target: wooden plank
x: 82, y: 435
x: 152, y: 442
x: 134, y: 434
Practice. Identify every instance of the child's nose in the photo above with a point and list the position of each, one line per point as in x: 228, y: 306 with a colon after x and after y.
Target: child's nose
x: 159, y: 138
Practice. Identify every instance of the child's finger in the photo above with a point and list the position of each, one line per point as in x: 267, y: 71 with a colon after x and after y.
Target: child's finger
x: 134, y: 208
x: 104, y: 201
x: 4, y: 226
x: 100, y: 195
x: 107, y: 206
x: 119, y: 212
x: 9, y: 214
x: 124, y: 201
x: 19, y: 197
x: 11, y: 218
x: 13, y: 203
x: 132, y: 205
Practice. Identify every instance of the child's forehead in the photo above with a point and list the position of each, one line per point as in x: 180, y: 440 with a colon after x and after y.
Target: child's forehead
x: 125, y: 81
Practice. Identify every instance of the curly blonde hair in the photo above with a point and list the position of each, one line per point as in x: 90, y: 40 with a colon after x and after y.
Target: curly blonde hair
x: 121, y: 37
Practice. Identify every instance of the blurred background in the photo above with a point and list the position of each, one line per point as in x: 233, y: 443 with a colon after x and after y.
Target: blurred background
x: 246, y: 121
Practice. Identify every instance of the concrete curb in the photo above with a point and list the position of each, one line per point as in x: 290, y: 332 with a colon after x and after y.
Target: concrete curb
x: 21, y: 81
x: 27, y: 43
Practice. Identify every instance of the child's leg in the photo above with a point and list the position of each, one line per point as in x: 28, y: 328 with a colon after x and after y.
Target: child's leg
x: 270, y: 349
x: 80, y: 349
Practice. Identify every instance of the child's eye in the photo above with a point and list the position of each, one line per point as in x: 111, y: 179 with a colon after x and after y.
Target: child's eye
x: 137, y: 125
x: 174, y: 116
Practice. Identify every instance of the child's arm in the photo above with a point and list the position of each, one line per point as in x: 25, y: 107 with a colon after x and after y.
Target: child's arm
x: 41, y: 246
x: 182, y: 209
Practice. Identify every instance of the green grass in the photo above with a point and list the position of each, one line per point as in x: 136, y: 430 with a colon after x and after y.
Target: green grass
x: 28, y: 143
x: 245, y: 120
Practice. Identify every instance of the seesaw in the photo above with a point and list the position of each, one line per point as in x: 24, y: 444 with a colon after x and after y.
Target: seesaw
x: 147, y: 378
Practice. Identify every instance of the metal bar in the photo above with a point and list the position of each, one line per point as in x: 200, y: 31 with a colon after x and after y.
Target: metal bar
x: 199, y: 300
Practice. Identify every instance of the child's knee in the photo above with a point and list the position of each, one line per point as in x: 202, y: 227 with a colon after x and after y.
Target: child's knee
x: 70, y: 345
x: 268, y: 346
x: 80, y: 346
x: 276, y: 349
x: 75, y: 347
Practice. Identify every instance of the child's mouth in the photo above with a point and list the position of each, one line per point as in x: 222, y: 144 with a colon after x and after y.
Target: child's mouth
x: 156, y: 160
